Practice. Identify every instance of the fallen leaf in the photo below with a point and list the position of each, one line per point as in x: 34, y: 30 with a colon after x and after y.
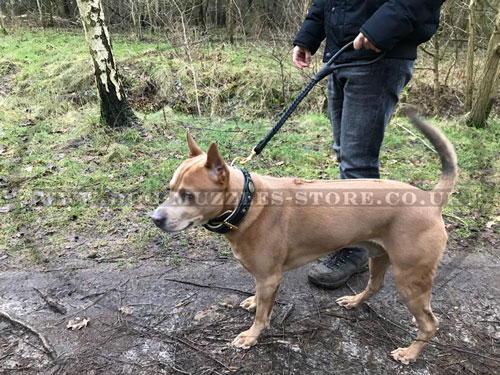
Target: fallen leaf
x: 489, y: 224
x: 77, y: 323
x: 5, y: 209
x: 126, y: 310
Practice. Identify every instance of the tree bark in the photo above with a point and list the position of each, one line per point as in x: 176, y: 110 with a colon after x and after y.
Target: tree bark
x: 481, y: 107
x: 3, y: 31
x: 437, y: 85
x: 40, y: 12
x: 471, y: 43
x: 115, y: 109
x: 230, y: 20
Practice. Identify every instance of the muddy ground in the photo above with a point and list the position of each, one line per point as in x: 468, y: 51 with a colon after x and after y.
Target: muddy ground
x: 176, y: 311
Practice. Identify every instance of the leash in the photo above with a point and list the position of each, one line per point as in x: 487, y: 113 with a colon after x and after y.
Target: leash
x: 327, y: 69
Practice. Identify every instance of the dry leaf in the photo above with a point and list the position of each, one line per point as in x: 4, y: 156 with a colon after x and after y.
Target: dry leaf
x: 126, y: 310
x: 77, y: 323
x: 5, y: 209
x: 490, y: 224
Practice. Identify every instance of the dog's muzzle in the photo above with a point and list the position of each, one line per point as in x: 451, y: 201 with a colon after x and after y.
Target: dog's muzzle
x: 159, y: 219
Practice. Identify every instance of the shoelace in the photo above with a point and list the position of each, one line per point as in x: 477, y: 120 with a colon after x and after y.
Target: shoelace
x: 337, y: 258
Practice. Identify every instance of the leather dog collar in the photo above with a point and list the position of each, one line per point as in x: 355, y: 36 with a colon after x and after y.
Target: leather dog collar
x: 230, y: 220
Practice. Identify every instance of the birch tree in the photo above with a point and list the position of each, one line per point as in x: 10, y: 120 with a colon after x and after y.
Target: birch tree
x: 115, y: 109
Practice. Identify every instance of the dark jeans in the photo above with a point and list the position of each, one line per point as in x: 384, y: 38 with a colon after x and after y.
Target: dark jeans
x: 360, y: 103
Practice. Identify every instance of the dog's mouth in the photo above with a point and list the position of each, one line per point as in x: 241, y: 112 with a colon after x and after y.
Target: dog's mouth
x: 190, y: 224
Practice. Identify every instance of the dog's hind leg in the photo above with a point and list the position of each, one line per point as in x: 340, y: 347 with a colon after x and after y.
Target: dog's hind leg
x: 265, y: 294
x: 414, y: 286
x: 378, y: 268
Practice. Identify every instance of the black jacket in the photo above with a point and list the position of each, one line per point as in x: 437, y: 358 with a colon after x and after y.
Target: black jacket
x: 396, y: 26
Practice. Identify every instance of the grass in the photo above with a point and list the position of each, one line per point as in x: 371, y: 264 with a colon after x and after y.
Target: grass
x: 63, y: 175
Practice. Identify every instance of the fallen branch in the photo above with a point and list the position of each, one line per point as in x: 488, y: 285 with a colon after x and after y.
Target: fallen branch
x: 244, y: 292
x: 45, y: 343
x: 456, y: 218
x: 52, y: 302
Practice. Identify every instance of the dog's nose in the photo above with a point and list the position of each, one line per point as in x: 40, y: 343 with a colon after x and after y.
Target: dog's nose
x: 158, y: 219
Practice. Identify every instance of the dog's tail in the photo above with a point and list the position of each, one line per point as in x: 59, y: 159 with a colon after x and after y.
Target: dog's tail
x: 446, y: 153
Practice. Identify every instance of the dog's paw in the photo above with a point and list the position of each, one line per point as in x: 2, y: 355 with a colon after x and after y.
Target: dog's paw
x: 404, y: 355
x: 245, y: 340
x: 349, y: 302
x: 250, y: 304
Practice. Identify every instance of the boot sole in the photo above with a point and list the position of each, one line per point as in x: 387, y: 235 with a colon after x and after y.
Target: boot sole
x: 337, y: 284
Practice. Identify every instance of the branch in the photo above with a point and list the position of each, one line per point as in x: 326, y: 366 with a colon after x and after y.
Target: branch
x: 46, y: 344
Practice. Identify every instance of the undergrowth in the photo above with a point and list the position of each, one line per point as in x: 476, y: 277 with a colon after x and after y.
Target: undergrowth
x: 62, y: 175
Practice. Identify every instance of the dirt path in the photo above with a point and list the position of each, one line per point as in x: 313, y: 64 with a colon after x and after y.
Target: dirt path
x: 151, y: 318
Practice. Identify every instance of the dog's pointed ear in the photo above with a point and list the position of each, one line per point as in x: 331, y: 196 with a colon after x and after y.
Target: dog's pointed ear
x: 194, y: 149
x: 217, y: 168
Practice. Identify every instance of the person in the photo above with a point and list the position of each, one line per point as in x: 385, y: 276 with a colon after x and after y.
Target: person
x: 361, y: 99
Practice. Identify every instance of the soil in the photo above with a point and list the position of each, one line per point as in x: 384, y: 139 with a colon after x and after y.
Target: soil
x: 176, y: 312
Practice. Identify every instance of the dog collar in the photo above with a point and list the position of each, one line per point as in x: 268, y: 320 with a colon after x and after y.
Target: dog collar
x: 230, y: 220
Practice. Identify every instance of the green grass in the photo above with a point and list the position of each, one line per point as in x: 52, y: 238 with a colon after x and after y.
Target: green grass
x: 62, y: 174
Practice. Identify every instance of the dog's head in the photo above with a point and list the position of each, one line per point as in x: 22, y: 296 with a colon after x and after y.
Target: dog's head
x: 197, y: 190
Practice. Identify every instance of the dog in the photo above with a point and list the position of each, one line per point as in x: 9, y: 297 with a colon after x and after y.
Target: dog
x: 278, y: 228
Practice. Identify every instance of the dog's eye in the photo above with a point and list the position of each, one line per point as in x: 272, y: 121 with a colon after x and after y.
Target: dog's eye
x: 187, y: 197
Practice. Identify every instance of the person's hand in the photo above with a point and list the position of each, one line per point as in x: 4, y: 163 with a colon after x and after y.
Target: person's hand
x: 362, y: 42
x: 301, y: 57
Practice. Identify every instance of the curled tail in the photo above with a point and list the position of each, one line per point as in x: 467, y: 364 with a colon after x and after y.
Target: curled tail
x: 446, y: 153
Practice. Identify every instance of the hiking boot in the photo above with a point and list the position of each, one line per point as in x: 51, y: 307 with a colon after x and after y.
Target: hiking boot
x: 338, y: 267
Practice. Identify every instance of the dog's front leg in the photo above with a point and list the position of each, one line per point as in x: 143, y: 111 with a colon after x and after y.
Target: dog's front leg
x: 264, y: 297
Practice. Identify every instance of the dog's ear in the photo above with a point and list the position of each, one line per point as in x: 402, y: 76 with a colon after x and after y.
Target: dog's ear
x: 194, y: 149
x: 217, y: 168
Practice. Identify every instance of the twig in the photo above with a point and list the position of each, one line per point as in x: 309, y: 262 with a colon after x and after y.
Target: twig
x: 178, y: 369
x: 420, y: 138
x: 314, y: 301
x: 188, y: 51
x: 46, y: 344
x: 244, y: 292
x: 380, y: 315
x: 336, y: 314
x: 102, y: 295
x: 52, y: 302
x: 182, y: 341
x: 287, y: 313
x: 456, y: 218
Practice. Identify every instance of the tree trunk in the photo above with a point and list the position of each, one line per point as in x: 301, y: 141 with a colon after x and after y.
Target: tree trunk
x: 230, y: 20
x: 469, y: 80
x: 481, y: 107
x: 115, y: 109
x: 3, y: 31
x: 12, y: 10
x: 200, y: 14
x: 40, y: 12
x: 64, y: 9
x: 437, y: 86
x: 51, y: 13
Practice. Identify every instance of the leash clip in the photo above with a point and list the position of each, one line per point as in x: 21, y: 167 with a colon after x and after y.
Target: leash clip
x: 243, y: 160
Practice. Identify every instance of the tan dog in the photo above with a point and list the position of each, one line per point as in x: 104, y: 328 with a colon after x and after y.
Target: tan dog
x: 292, y: 222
